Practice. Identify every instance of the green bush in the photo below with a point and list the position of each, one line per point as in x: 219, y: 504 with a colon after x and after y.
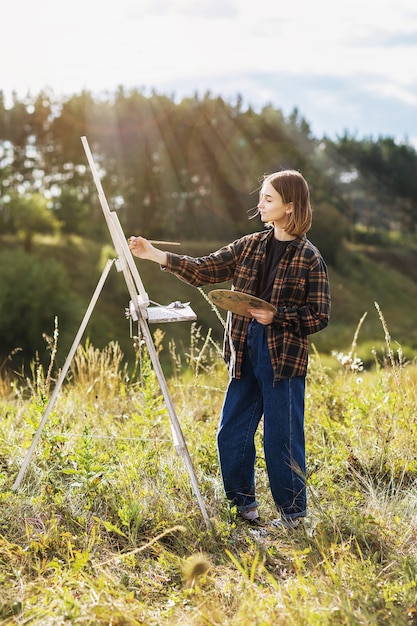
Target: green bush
x: 33, y: 293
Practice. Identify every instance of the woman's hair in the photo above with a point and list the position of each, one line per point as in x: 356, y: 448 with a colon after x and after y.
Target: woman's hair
x: 293, y: 187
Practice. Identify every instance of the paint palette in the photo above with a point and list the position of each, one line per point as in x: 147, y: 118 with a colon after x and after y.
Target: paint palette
x: 237, y: 301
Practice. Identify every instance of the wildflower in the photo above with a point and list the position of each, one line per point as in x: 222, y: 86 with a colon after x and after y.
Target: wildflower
x: 349, y: 362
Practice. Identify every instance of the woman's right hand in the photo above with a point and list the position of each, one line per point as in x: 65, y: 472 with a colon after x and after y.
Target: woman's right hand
x: 143, y: 249
x: 140, y: 247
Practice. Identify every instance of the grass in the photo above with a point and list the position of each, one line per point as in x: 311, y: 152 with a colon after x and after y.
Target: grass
x: 105, y: 528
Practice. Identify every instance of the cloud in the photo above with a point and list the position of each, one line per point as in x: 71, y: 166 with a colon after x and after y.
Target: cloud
x: 334, y: 105
x: 405, y: 40
x: 208, y: 9
x: 390, y: 90
x: 342, y: 64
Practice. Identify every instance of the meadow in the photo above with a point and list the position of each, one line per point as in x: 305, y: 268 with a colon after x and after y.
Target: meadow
x: 105, y: 528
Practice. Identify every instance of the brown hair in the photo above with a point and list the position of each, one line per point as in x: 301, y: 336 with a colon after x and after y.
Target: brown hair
x: 293, y: 187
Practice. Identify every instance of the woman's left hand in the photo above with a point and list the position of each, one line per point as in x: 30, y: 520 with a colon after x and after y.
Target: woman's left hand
x: 262, y: 316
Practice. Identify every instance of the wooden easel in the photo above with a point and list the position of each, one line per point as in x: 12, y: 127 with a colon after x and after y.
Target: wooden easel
x: 140, y: 311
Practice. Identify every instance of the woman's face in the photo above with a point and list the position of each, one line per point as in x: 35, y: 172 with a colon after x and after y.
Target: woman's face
x: 271, y: 206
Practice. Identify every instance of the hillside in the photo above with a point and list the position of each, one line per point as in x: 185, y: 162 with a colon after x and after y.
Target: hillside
x: 363, y: 275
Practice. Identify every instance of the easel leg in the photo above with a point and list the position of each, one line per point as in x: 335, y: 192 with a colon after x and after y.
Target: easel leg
x: 178, y: 436
x: 64, y: 371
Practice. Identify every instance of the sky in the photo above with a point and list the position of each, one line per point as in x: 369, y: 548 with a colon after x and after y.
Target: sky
x: 347, y: 67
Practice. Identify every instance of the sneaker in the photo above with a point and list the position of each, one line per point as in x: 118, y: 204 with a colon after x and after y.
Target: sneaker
x: 252, y: 518
x: 256, y: 522
x: 249, y: 514
x: 286, y: 522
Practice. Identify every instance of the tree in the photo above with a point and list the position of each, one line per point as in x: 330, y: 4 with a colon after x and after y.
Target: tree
x: 385, y: 187
x: 31, y: 215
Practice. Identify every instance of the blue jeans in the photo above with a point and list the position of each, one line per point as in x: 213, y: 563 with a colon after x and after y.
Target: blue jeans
x: 282, y: 405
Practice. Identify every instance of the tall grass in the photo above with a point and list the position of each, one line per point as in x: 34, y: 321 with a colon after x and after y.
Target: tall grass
x: 105, y: 528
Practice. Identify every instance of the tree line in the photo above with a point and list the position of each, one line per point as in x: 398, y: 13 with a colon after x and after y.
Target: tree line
x: 190, y: 168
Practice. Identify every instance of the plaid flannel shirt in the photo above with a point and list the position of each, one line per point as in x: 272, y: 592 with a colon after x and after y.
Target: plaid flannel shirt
x: 300, y: 293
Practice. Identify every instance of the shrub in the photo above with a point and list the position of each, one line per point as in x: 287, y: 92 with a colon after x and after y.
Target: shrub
x: 32, y: 293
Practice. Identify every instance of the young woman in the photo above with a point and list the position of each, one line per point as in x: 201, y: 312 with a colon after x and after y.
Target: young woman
x: 267, y: 352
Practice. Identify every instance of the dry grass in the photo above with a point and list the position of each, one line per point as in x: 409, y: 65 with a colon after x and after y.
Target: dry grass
x: 105, y: 528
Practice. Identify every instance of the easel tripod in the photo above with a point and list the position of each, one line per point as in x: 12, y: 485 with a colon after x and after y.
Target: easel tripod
x: 140, y: 312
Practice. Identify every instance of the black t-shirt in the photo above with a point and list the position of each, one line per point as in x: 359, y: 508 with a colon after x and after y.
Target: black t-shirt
x: 268, y: 269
